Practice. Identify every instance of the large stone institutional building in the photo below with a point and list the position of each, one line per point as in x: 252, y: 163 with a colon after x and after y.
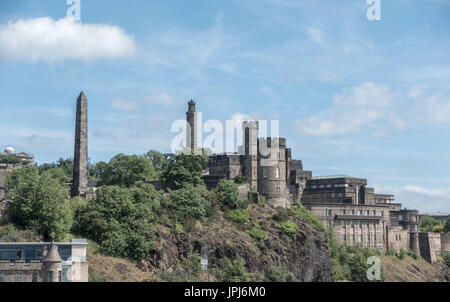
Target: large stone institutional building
x: 343, y: 203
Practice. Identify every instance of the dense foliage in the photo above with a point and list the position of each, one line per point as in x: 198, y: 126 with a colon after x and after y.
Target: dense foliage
x: 184, y: 169
x: 124, y: 170
x: 431, y: 224
x: 227, y: 194
x: 40, y: 202
x: 187, y: 202
x: 120, y: 220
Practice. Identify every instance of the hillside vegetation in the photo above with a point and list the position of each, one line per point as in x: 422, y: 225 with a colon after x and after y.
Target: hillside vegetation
x: 137, y: 233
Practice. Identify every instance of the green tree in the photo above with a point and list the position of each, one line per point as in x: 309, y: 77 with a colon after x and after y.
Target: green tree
x: 124, y: 170
x: 40, y: 202
x: 427, y: 223
x: 184, y: 169
x: 188, y: 202
x: 10, y: 159
x: 121, y: 220
x: 157, y: 159
x: 228, y: 194
x: 447, y: 225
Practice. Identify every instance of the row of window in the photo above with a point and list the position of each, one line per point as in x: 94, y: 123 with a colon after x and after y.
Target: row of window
x: 360, y: 224
x: 330, y: 186
x: 359, y: 212
x: 18, y: 277
x: 368, y: 239
x: 33, y: 277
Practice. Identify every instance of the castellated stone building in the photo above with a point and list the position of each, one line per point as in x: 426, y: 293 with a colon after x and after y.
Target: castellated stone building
x: 343, y: 203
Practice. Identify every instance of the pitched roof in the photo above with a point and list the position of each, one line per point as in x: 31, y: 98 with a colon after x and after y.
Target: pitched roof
x: 53, y: 254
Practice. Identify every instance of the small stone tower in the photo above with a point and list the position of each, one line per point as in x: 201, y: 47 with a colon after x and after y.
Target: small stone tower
x: 191, y: 133
x: 52, y: 265
x: 80, y: 163
x: 2, y: 181
x: 250, y: 141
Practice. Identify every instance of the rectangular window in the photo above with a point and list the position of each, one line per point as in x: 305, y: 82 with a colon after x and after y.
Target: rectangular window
x: 344, y: 238
x: 59, y: 276
x: 352, y: 212
x: 360, y: 224
x: 34, y: 277
x: 277, y: 173
x: 265, y: 172
x: 353, y: 238
x: 352, y: 223
x: 342, y: 212
x: 359, y: 212
x: 18, y: 277
x: 329, y: 224
x: 382, y: 213
x: 328, y: 211
x: 374, y: 213
x: 343, y: 224
x: 367, y: 212
x: 2, y: 278
x: 360, y: 238
x: 50, y: 277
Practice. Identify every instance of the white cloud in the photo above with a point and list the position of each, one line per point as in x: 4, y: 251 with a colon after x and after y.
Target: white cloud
x: 317, y: 35
x: 424, y: 199
x: 161, y: 99
x: 241, y: 117
x: 124, y: 105
x: 49, y: 40
x: 378, y: 109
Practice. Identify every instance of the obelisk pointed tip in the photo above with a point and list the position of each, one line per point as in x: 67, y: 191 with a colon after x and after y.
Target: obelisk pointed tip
x: 82, y: 96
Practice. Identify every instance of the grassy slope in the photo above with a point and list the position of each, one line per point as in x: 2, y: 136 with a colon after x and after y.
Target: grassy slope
x: 411, y: 270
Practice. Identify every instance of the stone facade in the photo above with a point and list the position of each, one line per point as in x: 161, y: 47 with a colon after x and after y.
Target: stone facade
x: 430, y: 245
x: 397, y: 239
x: 80, y: 165
x: 44, y: 262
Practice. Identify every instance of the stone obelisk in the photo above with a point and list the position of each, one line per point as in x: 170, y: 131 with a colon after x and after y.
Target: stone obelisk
x: 191, y: 119
x: 80, y: 161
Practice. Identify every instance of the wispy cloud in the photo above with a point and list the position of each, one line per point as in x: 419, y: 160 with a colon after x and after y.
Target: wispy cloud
x: 53, y: 41
x: 377, y: 109
x: 418, y: 197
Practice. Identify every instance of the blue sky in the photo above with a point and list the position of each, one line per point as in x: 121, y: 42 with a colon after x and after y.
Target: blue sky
x: 366, y: 98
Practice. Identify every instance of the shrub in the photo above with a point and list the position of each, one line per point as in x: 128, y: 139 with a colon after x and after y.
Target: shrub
x: 257, y: 233
x: 120, y: 220
x: 238, y: 216
x: 308, y: 217
x: 402, y: 254
x: 412, y: 254
x: 240, y: 179
x: 282, y: 214
x: 278, y: 274
x: 234, y: 271
x: 446, y: 258
x: 187, y: 202
x: 287, y: 227
x: 228, y: 194
x: 391, y: 252
x: 93, y: 277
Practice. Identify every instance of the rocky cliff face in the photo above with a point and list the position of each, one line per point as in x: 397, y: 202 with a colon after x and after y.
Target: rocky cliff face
x: 303, y: 255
